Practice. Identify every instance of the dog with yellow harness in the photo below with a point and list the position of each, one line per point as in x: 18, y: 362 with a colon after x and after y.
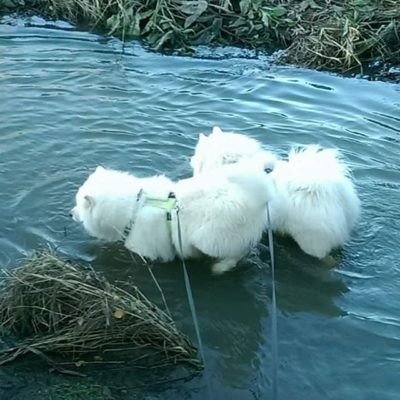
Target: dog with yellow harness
x: 221, y: 214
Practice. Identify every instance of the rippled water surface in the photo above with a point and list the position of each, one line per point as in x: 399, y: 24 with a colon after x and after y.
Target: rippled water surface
x: 72, y: 100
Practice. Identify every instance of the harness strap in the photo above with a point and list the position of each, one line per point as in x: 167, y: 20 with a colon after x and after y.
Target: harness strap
x: 168, y: 205
x: 128, y: 227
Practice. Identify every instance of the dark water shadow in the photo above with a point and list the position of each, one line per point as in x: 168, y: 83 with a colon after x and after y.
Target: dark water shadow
x: 306, y: 284
x: 233, y: 309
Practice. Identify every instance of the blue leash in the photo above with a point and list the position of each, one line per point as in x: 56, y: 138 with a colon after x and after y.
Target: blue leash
x: 273, y: 313
x: 274, y: 340
x: 189, y: 289
x: 191, y: 303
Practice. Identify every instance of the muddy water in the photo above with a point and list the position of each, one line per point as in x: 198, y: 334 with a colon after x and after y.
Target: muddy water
x: 71, y: 100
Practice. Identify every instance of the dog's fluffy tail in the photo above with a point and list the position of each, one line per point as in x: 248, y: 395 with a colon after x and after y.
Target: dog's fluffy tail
x: 314, y: 169
x: 318, y: 204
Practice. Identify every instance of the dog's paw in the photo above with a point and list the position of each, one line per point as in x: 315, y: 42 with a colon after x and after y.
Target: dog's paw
x: 329, y: 261
x: 223, y: 266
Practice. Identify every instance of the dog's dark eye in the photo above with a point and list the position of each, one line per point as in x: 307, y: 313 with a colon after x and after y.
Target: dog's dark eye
x: 268, y: 170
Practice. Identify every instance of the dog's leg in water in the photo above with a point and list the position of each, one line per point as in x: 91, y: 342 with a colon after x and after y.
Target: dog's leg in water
x: 329, y: 261
x: 224, y: 265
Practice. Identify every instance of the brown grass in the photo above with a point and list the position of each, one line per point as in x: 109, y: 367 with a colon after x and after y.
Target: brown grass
x: 55, y: 306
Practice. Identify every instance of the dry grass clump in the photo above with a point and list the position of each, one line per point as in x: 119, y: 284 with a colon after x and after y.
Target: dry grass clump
x: 55, y: 306
x: 345, y: 35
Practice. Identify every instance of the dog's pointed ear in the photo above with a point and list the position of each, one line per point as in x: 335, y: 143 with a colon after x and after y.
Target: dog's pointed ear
x: 202, y: 138
x: 89, y: 201
x: 216, y: 130
x: 99, y: 169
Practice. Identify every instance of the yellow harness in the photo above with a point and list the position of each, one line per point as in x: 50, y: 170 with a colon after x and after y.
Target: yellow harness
x: 168, y: 204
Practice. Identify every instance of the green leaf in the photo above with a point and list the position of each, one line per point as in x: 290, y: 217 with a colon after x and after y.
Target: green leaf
x: 244, y: 30
x: 266, y: 18
x: 226, y: 5
x: 114, y: 23
x: 289, y: 22
x: 308, y: 4
x: 134, y: 27
x: 238, y: 22
x: 144, y: 14
x: 210, y: 33
x: 338, y: 10
x: 244, y: 6
x: 160, y: 43
x: 190, y: 19
x: 361, y: 3
x: 128, y: 13
x: 277, y: 11
x: 153, y: 38
x: 148, y: 27
x: 216, y: 26
x: 194, y: 7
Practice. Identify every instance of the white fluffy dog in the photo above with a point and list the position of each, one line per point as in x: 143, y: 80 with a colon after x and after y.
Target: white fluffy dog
x: 315, y: 202
x: 221, y: 214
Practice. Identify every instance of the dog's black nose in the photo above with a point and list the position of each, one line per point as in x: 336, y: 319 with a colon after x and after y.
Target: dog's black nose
x: 268, y: 170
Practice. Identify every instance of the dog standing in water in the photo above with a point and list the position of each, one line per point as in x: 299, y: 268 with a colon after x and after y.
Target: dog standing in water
x: 315, y: 200
x: 222, y: 214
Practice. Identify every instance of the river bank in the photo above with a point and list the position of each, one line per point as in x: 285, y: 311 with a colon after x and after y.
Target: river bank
x: 344, y: 36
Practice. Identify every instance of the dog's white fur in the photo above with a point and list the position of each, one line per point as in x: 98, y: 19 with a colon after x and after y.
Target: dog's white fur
x: 221, y: 148
x: 222, y: 214
x: 315, y: 203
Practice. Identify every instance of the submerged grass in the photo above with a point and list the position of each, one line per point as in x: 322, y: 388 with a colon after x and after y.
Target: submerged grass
x: 324, y: 34
x: 55, y: 306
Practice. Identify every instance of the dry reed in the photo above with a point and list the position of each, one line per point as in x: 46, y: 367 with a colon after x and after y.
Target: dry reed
x: 55, y: 306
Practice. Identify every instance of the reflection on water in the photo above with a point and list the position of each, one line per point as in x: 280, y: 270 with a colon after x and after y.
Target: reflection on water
x: 71, y: 100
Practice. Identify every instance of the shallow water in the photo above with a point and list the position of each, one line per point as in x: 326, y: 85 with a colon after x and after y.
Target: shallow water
x: 71, y: 100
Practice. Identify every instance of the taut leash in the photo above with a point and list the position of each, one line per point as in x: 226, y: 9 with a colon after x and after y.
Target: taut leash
x: 274, y: 327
